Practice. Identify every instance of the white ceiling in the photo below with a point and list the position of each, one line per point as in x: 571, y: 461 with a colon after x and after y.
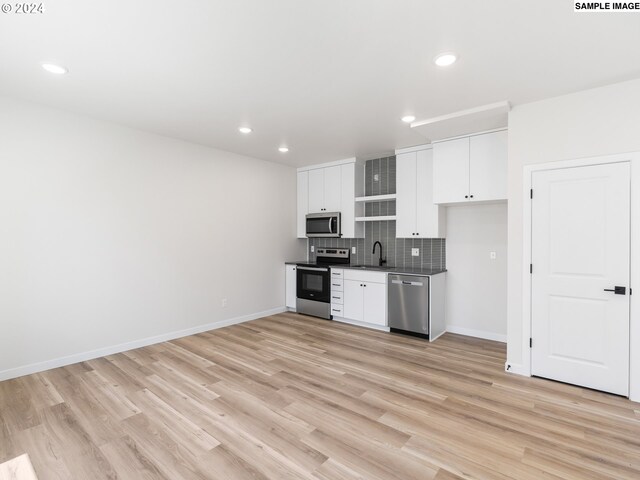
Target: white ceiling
x: 329, y: 78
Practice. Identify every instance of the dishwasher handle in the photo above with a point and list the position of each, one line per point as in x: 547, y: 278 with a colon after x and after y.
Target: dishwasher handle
x: 404, y: 282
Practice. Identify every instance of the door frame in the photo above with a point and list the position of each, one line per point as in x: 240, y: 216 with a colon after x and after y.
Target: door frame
x: 634, y: 321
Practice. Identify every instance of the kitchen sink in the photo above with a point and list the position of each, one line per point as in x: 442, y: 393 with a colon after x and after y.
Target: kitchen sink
x: 371, y: 267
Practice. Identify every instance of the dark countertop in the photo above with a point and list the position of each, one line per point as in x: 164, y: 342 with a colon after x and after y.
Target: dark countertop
x: 393, y: 270
x: 399, y: 270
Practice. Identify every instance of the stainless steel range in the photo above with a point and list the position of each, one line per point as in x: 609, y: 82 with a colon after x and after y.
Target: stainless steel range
x: 313, y: 289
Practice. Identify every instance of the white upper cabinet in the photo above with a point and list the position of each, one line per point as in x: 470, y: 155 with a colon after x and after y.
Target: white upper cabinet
x: 406, y: 195
x: 325, y: 189
x: 303, y: 203
x: 488, y: 166
x: 470, y: 169
x: 316, y: 190
x: 416, y: 214
x: 352, y: 177
x: 451, y: 171
x: 332, y: 188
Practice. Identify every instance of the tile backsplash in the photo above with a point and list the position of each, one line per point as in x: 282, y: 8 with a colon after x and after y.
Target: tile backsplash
x: 397, y: 251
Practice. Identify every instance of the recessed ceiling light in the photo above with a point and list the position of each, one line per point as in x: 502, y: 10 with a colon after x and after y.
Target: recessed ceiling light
x: 445, y: 59
x: 245, y: 130
x: 283, y: 149
x: 53, y: 68
x: 408, y: 118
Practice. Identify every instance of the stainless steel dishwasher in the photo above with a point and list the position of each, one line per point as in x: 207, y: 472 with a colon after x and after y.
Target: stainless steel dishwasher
x: 416, y: 304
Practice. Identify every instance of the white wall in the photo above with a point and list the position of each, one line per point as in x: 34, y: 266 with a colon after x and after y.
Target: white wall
x: 476, y: 285
x: 599, y: 121
x: 110, y: 235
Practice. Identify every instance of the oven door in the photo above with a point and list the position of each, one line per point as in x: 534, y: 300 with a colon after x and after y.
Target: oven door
x: 313, y: 283
x: 323, y: 225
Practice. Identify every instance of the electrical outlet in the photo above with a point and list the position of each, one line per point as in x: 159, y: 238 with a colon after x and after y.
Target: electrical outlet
x: 492, y: 255
x: 353, y: 250
x: 415, y: 252
x: 376, y: 177
x: 224, y: 302
x: 313, y: 249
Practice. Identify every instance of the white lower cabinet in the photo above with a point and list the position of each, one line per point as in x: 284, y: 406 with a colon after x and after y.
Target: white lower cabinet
x: 353, y: 300
x: 375, y: 303
x: 365, y: 297
x: 337, y: 292
x: 290, y: 286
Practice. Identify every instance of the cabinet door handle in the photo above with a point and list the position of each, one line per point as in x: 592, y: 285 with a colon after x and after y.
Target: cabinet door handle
x: 466, y: 196
x: 471, y: 196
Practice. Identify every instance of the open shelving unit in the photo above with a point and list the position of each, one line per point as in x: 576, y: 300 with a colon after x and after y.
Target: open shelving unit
x: 379, y: 218
x: 377, y: 198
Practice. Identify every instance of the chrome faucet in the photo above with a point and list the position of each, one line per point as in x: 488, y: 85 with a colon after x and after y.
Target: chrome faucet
x: 380, y: 259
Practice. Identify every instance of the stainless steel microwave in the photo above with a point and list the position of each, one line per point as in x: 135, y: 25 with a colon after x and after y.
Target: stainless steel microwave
x: 323, y: 224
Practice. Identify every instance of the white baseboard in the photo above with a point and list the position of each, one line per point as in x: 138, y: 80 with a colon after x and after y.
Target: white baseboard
x: 516, y: 369
x: 361, y: 324
x: 123, y: 347
x: 477, y: 333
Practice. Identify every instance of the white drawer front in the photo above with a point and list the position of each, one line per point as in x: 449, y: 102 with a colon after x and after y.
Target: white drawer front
x: 337, y: 274
x: 336, y: 285
x: 337, y: 310
x: 365, y: 276
x: 337, y: 297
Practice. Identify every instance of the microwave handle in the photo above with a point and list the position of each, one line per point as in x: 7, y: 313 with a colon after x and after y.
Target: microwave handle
x: 330, y: 225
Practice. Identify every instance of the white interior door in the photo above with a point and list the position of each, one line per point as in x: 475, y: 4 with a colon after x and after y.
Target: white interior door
x: 580, y: 251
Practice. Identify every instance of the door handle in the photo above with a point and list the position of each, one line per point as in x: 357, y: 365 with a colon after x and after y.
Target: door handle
x: 617, y: 290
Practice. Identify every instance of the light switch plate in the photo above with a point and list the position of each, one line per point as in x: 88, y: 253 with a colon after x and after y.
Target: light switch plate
x: 415, y: 252
x: 492, y: 255
x: 353, y: 250
x: 376, y: 177
x: 312, y: 249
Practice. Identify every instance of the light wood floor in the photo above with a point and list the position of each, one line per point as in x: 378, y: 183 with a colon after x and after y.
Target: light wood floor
x: 289, y: 397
